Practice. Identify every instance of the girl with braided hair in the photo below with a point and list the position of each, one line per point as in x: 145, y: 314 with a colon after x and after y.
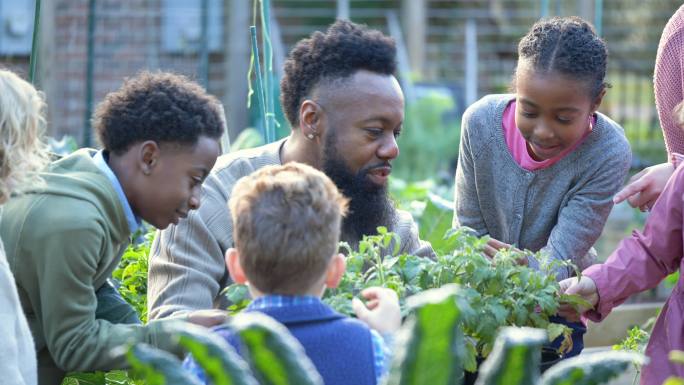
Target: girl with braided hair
x: 537, y: 169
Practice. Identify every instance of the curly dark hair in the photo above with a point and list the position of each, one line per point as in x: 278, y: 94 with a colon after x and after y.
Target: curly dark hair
x: 567, y: 45
x: 159, y: 106
x: 336, y: 54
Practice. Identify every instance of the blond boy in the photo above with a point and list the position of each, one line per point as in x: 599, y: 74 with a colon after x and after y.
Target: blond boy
x: 287, y: 226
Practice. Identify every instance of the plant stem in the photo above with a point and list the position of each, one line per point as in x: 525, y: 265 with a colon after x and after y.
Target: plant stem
x: 380, y: 267
x: 259, y: 82
x: 268, y: 69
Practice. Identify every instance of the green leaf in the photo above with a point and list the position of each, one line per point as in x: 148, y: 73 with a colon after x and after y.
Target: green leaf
x: 576, y: 301
x: 470, y: 359
x: 555, y: 330
x: 435, y: 222
x: 429, y: 350
x: 274, y: 355
x: 515, y: 358
x: 590, y: 369
x: 158, y: 367
x: 220, y: 362
x: 95, y: 378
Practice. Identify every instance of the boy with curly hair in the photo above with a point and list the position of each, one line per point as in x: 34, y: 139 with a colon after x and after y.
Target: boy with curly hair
x: 286, y: 230
x: 160, y: 135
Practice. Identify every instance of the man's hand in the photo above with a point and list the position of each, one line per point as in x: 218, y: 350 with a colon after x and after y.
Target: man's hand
x: 494, y: 245
x: 208, y: 318
x: 585, y: 288
x: 381, y: 311
x: 645, y: 187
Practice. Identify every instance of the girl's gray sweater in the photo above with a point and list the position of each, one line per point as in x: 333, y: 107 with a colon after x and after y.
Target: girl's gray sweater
x: 561, y: 208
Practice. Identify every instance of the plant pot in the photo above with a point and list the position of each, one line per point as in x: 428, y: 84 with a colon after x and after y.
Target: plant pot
x: 549, y: 358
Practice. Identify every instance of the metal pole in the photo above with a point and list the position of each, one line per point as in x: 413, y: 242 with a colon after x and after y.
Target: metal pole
x: 204, y: 44
x: 342, y: 9
x: 87, y: 137
x: 268, y: 69
x: 471, y: 61
x: 34, y: 44
x: 598, y: 16
x: 544, y: 8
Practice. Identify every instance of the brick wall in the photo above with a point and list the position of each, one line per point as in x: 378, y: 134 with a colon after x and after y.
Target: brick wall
x: 127, y: 40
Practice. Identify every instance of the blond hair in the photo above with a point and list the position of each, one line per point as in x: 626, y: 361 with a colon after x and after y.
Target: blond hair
x: 22, y: 126
x: 286, y: 226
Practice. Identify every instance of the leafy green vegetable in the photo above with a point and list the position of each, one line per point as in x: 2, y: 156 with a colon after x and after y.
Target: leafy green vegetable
x: 132, y: 274
x: 515, y: 358
x: 591, y: 369
x: 430, y: 344
x: 217, y: 358
x: 158, y: 367
x: 274, y: 355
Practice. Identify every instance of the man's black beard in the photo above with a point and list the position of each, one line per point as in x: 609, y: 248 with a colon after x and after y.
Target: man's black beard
x: 369, y: 204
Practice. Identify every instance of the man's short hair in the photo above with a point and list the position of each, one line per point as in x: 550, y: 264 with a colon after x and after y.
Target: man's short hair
x: 159, y: 106
x: 286, y: 226
x: 341, y: 51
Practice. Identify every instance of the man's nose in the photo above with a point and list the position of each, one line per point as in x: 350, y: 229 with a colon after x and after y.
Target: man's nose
x: 389, y: 149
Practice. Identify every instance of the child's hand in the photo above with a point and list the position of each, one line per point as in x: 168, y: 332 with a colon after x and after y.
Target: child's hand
x: 208, y: 318
x: 381, y: 311
x: 585, y: 288
x: 645, y: 187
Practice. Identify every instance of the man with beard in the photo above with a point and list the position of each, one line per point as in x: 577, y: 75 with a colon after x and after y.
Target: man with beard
x: 346, y: 110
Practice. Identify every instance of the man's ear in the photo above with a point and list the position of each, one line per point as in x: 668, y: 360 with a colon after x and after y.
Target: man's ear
x: 310, y: 119
x: 336, y: 268
x: 149, y: 156
x: 237, y: 274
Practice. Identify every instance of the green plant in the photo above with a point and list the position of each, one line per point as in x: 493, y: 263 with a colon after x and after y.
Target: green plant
x: 429, y: 352
x: 430, y: 142
x: 273, y: 354
x: 114, y: 377
x: 530, y: 298
x: 132, y: 274
x: 158, y: 367
x: 636, y: 341
x: 221, y: 364
x: 430, y: 344
x: 591, y: 369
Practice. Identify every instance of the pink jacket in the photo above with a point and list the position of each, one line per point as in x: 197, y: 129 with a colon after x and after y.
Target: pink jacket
x: 639, y: 263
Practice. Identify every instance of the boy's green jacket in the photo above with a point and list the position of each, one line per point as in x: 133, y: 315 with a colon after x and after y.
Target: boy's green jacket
x: 63, y: 240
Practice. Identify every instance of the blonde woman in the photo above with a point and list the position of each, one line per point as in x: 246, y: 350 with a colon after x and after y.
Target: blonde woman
x: 22, y: 152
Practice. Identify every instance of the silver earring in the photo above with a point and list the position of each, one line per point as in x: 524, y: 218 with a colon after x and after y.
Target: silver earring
x: 310, y: 136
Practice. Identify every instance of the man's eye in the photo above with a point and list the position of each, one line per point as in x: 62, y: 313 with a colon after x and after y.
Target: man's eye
x: 527, y: 114
x: 397, y: 134
x: 374, y: 131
